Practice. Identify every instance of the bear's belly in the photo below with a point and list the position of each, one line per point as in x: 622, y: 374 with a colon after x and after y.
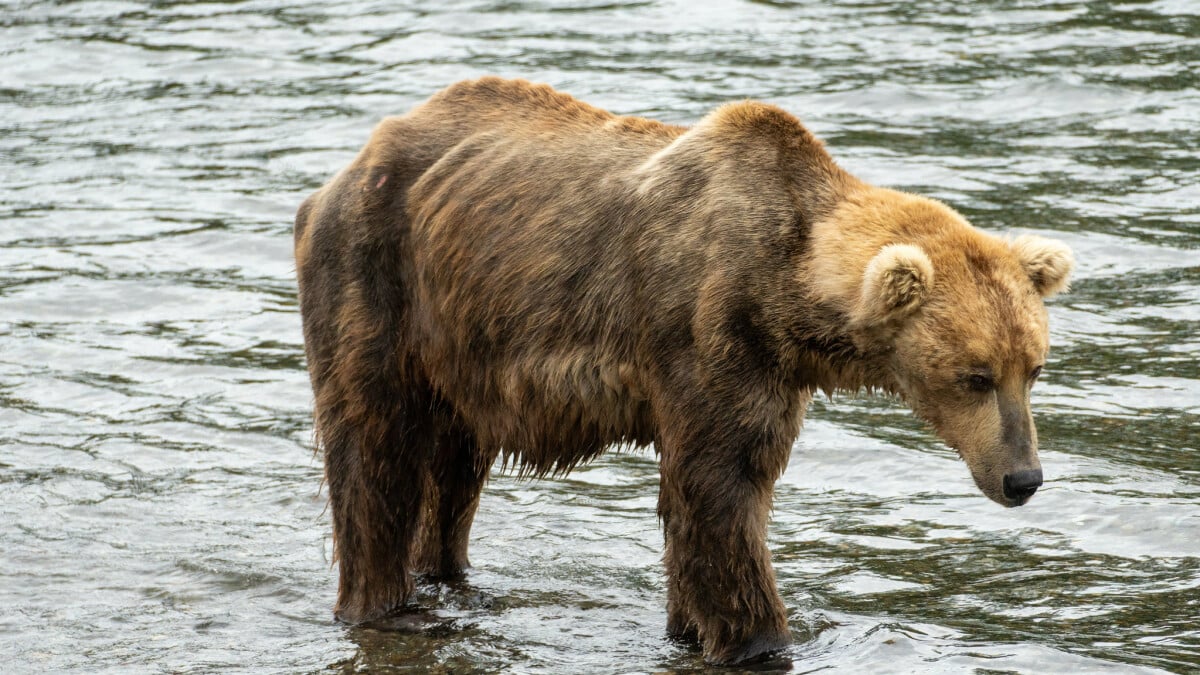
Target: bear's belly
x: 550, y: 411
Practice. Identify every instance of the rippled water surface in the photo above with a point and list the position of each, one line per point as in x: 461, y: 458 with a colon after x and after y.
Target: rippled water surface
x: 160, y: 503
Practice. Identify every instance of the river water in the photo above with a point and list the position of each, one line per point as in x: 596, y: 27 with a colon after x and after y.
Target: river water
x: 160, y: 502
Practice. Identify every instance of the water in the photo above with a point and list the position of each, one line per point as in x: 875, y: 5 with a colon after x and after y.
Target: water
x: 160, y: 507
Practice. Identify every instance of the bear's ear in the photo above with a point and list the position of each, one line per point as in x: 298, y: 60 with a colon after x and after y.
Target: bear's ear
x: 895, y: 282
x: 1047, y: 262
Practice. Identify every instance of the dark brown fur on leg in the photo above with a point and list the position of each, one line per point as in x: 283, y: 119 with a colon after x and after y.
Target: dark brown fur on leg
x: 372, y: 495
x: 717, y: 484
x: 459, y: 471
x: 372, y: 411
x: 679, y: 622
x: 722, y: 571
x: 378, y: 442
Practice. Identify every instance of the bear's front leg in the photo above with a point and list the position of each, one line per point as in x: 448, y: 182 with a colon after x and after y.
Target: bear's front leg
x: 714, y: 501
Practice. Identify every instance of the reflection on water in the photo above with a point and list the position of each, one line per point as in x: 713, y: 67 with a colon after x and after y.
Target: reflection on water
x: 161, y: 504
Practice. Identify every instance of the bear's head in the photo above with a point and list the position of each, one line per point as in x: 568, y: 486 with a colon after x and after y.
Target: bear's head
x: 955, y: 317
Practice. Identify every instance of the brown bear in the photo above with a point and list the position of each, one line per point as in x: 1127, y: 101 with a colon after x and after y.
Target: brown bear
x: 507, y: 271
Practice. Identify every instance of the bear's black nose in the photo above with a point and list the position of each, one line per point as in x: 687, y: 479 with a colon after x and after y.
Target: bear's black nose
x: 1022, y: 484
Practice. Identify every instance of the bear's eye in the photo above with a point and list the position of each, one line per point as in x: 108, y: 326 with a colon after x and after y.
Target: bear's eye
x: 1034, y: 374
x: 981, y: 383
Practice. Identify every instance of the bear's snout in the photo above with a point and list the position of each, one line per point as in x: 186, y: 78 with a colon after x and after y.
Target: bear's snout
x: 1020, y: 486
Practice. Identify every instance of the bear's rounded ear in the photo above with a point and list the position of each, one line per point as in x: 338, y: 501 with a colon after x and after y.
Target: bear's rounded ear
x: 895, y: 282
x: 1047, y: 262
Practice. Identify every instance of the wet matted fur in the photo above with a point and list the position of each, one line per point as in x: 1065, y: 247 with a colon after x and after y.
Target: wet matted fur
x: 507, y: 271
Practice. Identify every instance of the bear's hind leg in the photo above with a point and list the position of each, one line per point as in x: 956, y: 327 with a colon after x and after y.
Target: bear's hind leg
x: 458, y: 472
x: 375, y: 460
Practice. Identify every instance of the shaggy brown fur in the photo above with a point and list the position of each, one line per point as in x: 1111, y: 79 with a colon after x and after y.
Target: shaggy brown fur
x: 506, y: 271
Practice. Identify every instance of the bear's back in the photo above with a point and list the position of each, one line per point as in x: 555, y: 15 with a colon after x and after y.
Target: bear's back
x: 544, y: 261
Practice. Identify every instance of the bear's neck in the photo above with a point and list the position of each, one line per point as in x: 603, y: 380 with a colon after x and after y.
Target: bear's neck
x: 836, y: 353
x: 831, y: 359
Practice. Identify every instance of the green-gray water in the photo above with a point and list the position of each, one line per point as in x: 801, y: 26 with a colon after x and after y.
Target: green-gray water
x: 160, y: 507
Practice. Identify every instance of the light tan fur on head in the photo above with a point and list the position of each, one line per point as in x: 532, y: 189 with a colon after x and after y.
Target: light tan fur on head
x: 1047, y: 262
x: 896, y: 281
x: 949, y: 317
